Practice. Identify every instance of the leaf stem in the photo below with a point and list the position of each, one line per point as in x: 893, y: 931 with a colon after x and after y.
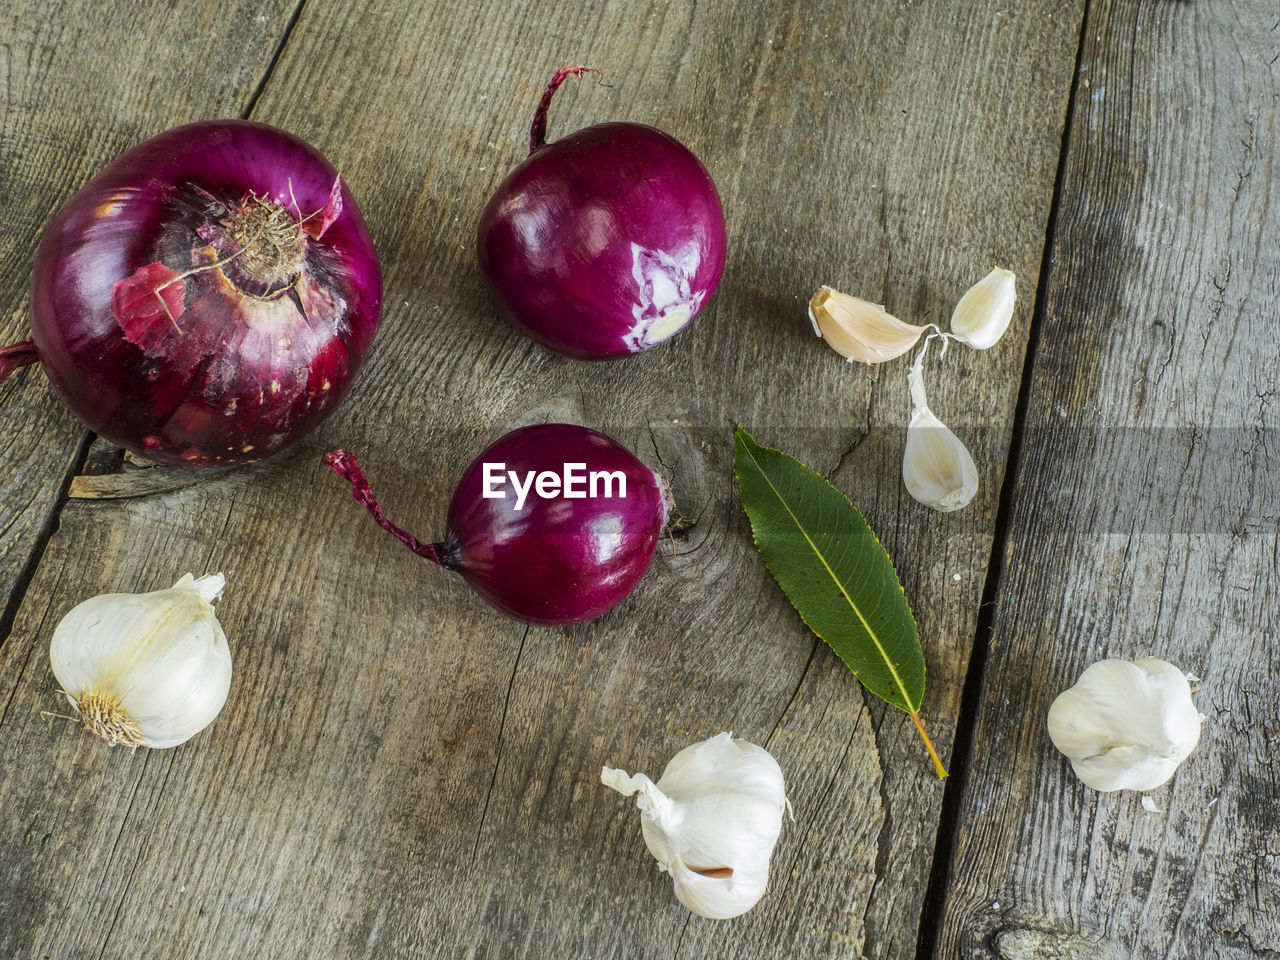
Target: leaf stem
x: 937, y: 762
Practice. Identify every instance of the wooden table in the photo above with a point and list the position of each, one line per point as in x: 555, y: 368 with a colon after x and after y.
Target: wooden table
x: 402, y: 772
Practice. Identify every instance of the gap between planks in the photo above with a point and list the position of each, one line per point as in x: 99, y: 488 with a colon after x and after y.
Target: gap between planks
x: 271, y: 64
x: 971, y: 698
x: 28, y: 571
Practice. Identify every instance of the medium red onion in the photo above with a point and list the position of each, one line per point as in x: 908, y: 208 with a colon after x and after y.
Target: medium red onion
x: 605, y: 242
x: 554, y: 560
x: 208, y: 298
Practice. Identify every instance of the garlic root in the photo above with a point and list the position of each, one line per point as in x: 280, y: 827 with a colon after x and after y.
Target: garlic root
x: 103, y: 717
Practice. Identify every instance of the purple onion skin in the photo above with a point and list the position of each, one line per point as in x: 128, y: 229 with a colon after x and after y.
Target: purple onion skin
x: 243, y: 358
x: 605, y: 242
x: 557, y: 561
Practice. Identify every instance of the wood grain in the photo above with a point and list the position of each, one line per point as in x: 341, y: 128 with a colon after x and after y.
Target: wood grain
x: 81, y: 84
x: 399, y: 770
x: 1145, y: 517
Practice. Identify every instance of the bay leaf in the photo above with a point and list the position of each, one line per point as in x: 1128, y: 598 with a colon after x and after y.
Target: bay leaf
x: 835, y: 572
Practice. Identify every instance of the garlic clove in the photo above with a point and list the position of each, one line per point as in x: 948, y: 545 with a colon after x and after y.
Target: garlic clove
x: 1126, y: 726
x: 719, y: 895
x: 858, y: 329
x: 711, y: 821
x: 146, y: 669
x: 937, y: 468
x: 985, y: 311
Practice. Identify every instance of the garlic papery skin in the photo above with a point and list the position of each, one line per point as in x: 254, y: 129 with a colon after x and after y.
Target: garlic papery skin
x: 937, y: 468
x: 1126, y: 726
x: 145, y: 669
x: 711, y: 821
x: 858, y: 329
x: 985, y: 311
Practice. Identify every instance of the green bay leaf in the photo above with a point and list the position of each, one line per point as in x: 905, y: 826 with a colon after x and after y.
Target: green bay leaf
x: 835, y: 572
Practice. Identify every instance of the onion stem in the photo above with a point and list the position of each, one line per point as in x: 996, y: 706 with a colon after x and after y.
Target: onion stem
x: 344, y: 465
x: 17, y: 355
x: 249, y: 245
x: 538, y: 132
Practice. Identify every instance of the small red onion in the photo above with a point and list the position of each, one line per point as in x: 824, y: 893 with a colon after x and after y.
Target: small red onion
x: 556, y: 560
x: 605, y: 242
x: 208, y: 298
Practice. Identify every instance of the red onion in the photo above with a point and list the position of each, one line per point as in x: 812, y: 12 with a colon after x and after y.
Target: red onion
x: 549, y: 560
x: 605, y: 242
x: 208, y: 298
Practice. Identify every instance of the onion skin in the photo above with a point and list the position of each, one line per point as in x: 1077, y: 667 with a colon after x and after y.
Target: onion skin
x: 605, y: 242
x: 242, y: 351
x: 556, y: 561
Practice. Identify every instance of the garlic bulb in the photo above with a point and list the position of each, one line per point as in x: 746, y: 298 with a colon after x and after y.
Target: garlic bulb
x: 984, y: 312
x: 1126, y: 726
x: 858, y: 329
x: 937, y: 468
x: 711, y: 821
x: 145, y: 669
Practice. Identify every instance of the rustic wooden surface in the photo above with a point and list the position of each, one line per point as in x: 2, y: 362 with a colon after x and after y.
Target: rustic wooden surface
x: 400, y: 771
x: 1144, y: 516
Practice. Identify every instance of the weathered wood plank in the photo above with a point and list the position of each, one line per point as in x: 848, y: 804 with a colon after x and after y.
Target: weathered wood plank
x: 1145, y: 519
x: 81, y: 84
x: 401, y: 771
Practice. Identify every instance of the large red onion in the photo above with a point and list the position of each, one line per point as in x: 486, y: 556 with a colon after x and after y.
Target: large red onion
x: 208, y: 298
x: 605, y: 242
x: 555, y: 560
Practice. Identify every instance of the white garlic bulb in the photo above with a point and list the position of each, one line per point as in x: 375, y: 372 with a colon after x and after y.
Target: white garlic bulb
x: 145, y: 669
x: 984, y: 312
x: 858, y: 329
x: 711, y: 822
x: 937, y: 468
x: 1126, y: 726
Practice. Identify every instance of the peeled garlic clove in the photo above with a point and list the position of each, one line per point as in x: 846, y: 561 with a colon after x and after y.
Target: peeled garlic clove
x: 937, y: 468
x: 984, y: 312
x: 858, y: 329
x: 1126, y: 726
x: 145, y: 669
x: 711, y: 821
